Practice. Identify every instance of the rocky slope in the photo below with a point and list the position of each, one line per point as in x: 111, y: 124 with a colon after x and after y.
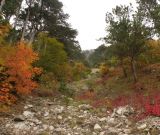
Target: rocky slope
x: 40, y: 116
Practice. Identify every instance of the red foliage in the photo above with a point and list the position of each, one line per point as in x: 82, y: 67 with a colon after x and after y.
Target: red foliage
x: 148, y: 105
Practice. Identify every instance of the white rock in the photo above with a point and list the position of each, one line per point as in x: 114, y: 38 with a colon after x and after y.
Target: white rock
x: 19, y: 118
x: 59, y: 109
x: 45, y: 127
x: 111, y: 121
x: 97, y: 127
x: 84, y: 106
x: 21, y: 126
x: 85, y: 112
x: 102, y: 133
x: 35, y: 128
x: 8, y: 125
x: 127, y: 131
x: 103, y: 119
x: 46, y: 114
x: 28, y: 114
x: 28, y: 106
x: 51, y: 127
x: 60, y: 117
x: 36, y: 121
x: 125, y: 110
x: 141, y: 127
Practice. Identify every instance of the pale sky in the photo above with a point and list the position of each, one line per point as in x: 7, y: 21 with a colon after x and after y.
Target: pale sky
x: 88, y: 17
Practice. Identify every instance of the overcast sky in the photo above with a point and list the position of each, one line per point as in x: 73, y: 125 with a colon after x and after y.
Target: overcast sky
x: 88, y: 17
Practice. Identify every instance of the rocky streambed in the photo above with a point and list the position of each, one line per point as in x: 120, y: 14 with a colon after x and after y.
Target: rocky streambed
x: 41, y: 116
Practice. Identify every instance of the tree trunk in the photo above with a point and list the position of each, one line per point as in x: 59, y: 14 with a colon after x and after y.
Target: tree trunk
x: 2, y: 4
x: 25, y: 25
x: 123, y: 68
x: 134, y: 70
x: 32, y: 37
x: 45, y: 48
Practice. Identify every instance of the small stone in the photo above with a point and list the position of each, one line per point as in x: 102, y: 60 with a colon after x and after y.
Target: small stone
x: 97, y: 127
x: 85, y: 107
x: 19, y: 119
x: 141, y: 127
x: 59, y: 110
x: 103, y: 119
x: 28, y: 114
x: 45, y: 127
x: 111, y: 121
x: 85, y: 112
x: 102, y: 133
x: 35, y: 128
x: 8, y: 125
x: 28, y: 106
x: 46, y: 114
x: 127, y: 131
x: 104, y: 110
x: 60, y: 117
x: 51, y: 127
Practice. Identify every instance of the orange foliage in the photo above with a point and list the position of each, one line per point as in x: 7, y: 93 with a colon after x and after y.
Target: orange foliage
x: 5, y: 95
x: 20, y: 70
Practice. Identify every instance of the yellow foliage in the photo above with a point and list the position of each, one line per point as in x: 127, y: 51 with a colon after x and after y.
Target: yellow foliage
x: 79, y: 70
x: 154, y: 51
x: 104, y: 70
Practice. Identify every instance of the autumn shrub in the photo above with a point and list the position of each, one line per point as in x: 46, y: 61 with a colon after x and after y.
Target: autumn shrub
x: 145, y: 104
x: 87, y: 95
x: 102, y: 103
x: 19, y: 71
x: 48, y: 85
x: 64, y: 72
x: 113, y: 61
x: 153, y: 54
x: 79, y: 71
x: 104, y: 69
x: 65, y: 90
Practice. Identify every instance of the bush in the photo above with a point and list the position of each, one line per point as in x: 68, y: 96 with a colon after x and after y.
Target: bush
x: 79, y: 71
x: 48, y: 85
x: 18, y: 71
x: 65, y: 90
x: 104, y: 70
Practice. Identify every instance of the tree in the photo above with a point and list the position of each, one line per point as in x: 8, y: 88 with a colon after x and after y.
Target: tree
x: 11, y: 8
x: 151, y: 11
x: 118, y: 32
x: 128, y: 33
x: 52, y: 52
x: 2, y: 4
x: 42, y: 16
x: 98, y: 56
x: 137, y: 39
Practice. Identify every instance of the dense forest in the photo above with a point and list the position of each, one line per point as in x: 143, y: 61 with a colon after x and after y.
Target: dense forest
x: 41, y: 58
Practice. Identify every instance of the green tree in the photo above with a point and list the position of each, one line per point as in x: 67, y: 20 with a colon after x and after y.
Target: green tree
x: 128, y: 33
x: 118, y: 32
x: 52, y: 55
